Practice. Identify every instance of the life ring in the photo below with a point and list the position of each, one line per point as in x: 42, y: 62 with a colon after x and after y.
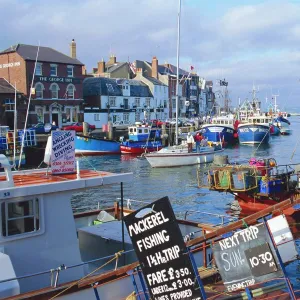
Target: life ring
x: 179, y: 131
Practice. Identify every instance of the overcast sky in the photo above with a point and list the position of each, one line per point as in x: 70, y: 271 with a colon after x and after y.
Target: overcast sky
x: 245, y: 42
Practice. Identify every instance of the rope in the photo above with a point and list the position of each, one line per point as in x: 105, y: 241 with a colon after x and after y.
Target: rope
x: 262, y: 140
x: 117, y: 255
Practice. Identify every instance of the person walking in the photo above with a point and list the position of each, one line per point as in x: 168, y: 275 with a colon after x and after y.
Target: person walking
x: 198, y: 138
x: 190, y: 141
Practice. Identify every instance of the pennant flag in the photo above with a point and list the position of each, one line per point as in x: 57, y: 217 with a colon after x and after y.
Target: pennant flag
x: 192, y: 68
x: 132, y: 68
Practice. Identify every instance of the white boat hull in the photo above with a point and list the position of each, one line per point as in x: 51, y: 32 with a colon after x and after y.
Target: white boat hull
x: 179, y: 158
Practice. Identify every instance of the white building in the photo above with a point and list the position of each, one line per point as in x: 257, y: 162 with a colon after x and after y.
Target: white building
x: 116, y: 100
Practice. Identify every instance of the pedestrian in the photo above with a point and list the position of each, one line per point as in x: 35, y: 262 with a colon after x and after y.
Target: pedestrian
x: 198, y: 138
x: 190, y: 141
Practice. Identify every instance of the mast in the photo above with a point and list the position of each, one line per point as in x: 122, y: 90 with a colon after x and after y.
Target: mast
x: 177, y: 77
x: 15, y: 125
x: 28, y: 107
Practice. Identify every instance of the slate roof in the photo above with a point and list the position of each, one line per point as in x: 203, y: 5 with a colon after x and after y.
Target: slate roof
x: 106, y: 86
x: 46, y: 54
x: 155, y: 81
x: 163, y: 70
x: 6, y: 87
x: 113, y: 67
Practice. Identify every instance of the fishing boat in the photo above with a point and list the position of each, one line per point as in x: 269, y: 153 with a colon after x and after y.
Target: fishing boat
x: 257, y: 185
x: 89, y: 145
x: 142, y: 139
x: 255, y: 130
x: 221, y: 128
x: 282, y: 124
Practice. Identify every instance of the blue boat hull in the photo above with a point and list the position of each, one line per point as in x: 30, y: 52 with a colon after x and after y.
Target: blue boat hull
x: 253, y: 134
x: 94, y: 146
x: 215, y: 133
x: 275, y: 131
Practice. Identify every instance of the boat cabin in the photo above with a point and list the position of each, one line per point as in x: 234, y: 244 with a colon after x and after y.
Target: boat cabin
x: 141, y: 132
x: 223, y: 121
x: 266, y: 120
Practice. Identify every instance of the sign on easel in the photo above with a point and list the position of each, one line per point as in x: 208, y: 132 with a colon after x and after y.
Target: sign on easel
x: 246, y: 258
x: 163, y: 256
x: 63, y: 152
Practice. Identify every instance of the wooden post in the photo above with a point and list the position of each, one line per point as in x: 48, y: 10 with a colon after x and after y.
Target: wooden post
x: 204, y: 251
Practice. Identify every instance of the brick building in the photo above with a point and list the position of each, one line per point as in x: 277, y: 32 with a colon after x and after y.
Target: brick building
x: 57, y: 83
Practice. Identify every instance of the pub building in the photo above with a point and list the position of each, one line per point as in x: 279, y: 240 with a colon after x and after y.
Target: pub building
x: 56, y: 94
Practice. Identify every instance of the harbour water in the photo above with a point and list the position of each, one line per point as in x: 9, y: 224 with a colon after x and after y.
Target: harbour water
x: 180, y: 184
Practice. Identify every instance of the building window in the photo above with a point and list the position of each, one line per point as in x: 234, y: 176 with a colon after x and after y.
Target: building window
x: 96, y: 117
x: 38, y: 69
x: 70, y: 71
x: 70, y: 91
x: 39, y: 88
x: 9, y: 105
x: 137, y: 102
x: 54, y: 88
x: 20, y: 217
x: 148, y: 102
x: 53, y: 70
x: 126, y: 117
x: 137, y: 116
x: 112, y: 101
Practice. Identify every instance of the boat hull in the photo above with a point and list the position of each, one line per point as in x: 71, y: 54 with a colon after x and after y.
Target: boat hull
x: 94, y: 146
x: 176, y: 159
x: 217, y: 133
x: 253, y: 134
x: 139, y: 148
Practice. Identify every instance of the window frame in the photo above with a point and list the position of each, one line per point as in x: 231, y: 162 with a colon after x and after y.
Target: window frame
x: 40, y: 217
x: 53, y: 66
x: 39, y: 65
x: 67, y: 91
x: 42, y: 90
x: 70, y: 67
x: 50, y: 88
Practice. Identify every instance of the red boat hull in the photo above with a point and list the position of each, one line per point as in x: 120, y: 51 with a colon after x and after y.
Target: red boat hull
x: 137, y: 151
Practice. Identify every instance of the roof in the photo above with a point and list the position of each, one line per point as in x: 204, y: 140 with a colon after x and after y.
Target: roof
x: 106, y: 86
x: 171, y: 70
x: 6, y: 87
x: 154, y: 81
x: 114, y: 67
x: 46, y: 54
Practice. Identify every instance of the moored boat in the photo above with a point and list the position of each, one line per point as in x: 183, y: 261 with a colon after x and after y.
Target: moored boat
x: 255, y: 130
x: 88, y: 145
x: 283, y: 125
x: 142, y: 139
x: 176, y: 156
x: 220, y: 129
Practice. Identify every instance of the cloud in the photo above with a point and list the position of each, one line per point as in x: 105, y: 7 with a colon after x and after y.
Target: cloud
x: 243, y: 43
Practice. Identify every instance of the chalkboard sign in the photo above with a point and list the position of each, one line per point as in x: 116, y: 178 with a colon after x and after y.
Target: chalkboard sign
x: 236, y: 258
x: 159, y: 246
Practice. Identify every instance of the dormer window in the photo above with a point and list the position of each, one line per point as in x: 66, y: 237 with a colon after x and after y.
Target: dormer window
x: 53, y: 70
x: 38, y: 69
x: 70, y: 70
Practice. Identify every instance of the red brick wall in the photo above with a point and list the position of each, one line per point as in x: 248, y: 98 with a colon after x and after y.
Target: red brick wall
x: 14, y: 73
x: 61, y: 72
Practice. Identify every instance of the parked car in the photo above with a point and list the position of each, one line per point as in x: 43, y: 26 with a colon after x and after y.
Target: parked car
x: 157, y: 123
x: 78, y: 127
x: 122, y: 124
x: 43, y: 127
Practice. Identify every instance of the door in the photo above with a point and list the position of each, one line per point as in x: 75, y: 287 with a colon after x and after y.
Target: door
x: 55, y: 119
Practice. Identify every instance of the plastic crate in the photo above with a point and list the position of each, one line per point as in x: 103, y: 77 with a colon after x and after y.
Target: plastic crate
x: 270, y: 187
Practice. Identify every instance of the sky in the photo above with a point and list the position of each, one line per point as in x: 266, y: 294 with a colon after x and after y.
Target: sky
x: 247, y: 42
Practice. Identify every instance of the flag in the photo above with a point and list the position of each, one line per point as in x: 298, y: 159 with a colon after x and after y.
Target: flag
x: 192, y: 68
x: 132, y: 67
